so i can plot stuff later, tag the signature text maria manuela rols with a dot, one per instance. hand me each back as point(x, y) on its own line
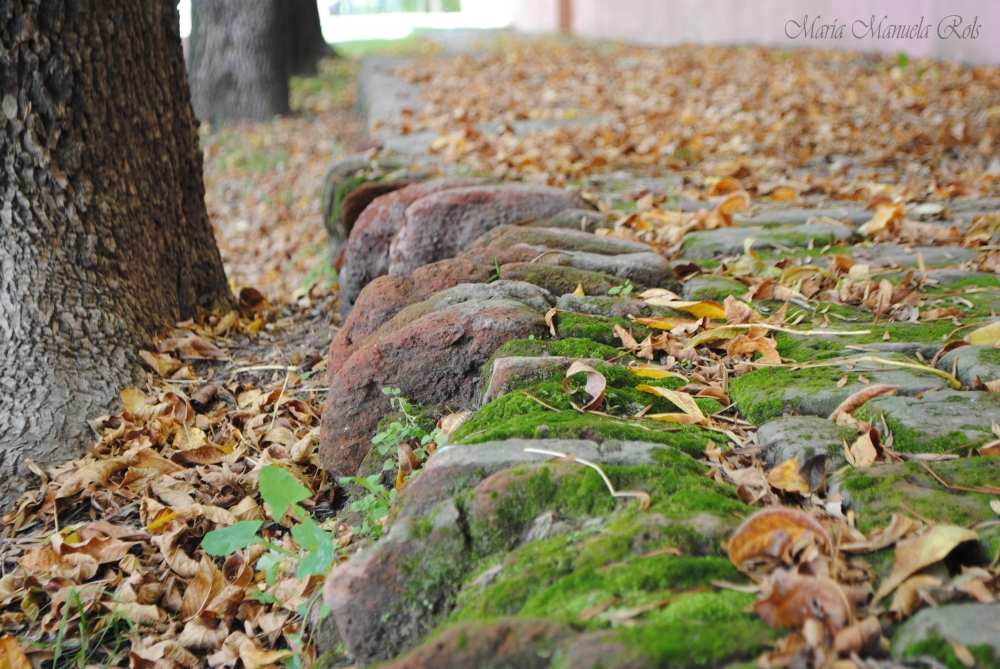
point(950, 27)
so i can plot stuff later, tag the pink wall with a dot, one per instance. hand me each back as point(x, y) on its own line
point(765, 22)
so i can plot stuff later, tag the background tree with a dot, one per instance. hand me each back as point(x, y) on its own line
point(304, 37)
point(104, 236)
point(243, 51)
point(238, 59)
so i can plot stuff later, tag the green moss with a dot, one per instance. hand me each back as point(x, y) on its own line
point(812, 349)
point(597, 328)
point(571, 347)
point(760, 395)
point(990, 356)
point(636, 579)
point(531, 569)
point(677, 491)
point(686, 633)
point(561, 279)
point(715, 288)
point(517, 415)
point(879, 493)
point(421, 528)
point(911, 440)
point(941, 650)
point(573, 425)
point(340, 193)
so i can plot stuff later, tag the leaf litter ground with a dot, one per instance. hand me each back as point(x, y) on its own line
point(101, 562)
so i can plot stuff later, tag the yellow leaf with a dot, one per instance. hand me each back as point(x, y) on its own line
point(682, 418)
point(786, 477)
point(11, 655)
point(162, 518)
point(723, 333)
point(985, 336)
point(579, 290)
point(189, 437)
point(700, 309)
point(664, 323)
point(654, 373)
point(682, 401)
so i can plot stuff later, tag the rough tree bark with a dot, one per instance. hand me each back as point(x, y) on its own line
point(238, 59)
point(104, 236)
point(304, 40)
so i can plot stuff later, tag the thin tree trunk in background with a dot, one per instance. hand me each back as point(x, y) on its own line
point(305, 42)
point(238, 61)
point(104, 236)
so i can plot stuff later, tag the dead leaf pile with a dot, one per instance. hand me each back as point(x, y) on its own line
point(110, 542)
point(691, 109)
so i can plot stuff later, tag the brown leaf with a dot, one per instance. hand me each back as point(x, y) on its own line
point(96, 473)
point(857, 399)
point(452, 422)
point(192, 347)
point(788, 600)
point(628, 341)
point(908, 598)
point(898, 527)
point(140, 614)
point(786, 477)
point(739, 313)
point(226, 603)
point(179, 561)
point(962, 653)
point(922, 551)
point(866, 449)
point(862, 638)
point(596, 383)
point(161, 363)
point(254, 657)
point(203, 634)
point(550, 316)
point(746, 346)
point(207, 583)
point(766, 532)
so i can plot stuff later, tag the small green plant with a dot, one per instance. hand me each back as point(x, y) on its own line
point(623, 291)
point(374, 506)
point(496, 271)
point(282, 492)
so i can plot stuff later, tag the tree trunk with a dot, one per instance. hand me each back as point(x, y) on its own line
point(238, 61)
point(306, 45)
point(104, 236)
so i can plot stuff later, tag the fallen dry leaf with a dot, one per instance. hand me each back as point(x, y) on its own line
point(921, 551)
point(789, 599)
point(786, 477)
point(700, 309)
point(11, 655)
point(858, 398)
point(908, 596)
point(985, 336)
point(595, 385)
point(692, 412)
point(862, 638)
point(767, 533)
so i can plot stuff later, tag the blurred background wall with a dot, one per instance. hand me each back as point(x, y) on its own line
point(662, 22)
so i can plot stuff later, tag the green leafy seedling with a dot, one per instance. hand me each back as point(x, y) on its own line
point(281, 490)
point(311, 537)
point(222, 542)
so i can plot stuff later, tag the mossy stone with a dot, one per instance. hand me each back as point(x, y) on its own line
point(597, 328)
point(881, 490)
point(562, 279)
